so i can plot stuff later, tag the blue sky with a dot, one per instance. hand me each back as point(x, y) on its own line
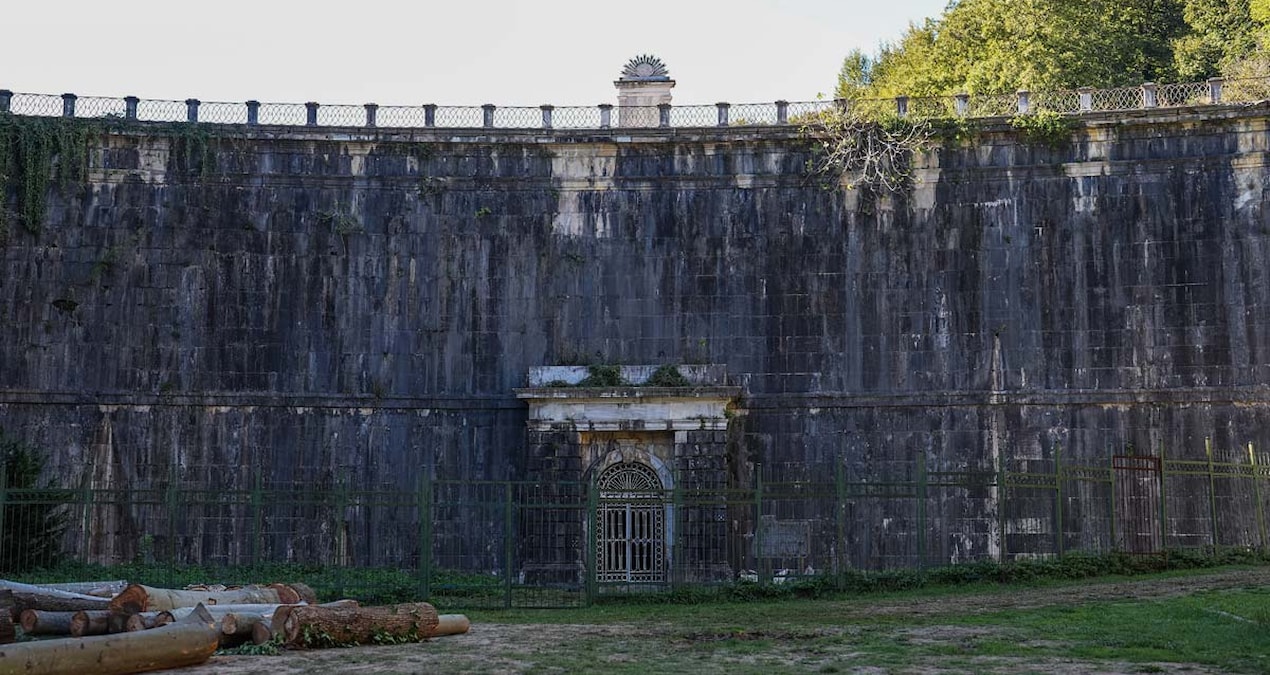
point(507, 52)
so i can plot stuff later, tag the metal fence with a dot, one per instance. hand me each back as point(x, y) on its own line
point(605, 116)
point(527, 544)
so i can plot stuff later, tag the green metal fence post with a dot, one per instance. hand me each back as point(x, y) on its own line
point(1001, 517)
point(592, 506)
point(173, 502)
point(1111, 459)
point(508, 542)
point(1256, 494)
point(758, 524)
point(921, 510)
point(424, 505)
point(840, 489)
point(1058, 499)
point(1212, 491)
point(4, 496)
point(85, 514)
point(1164, 501)
point(257, 515)
point(341, 533)
point(678, 519)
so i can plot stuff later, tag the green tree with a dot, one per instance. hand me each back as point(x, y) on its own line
point(34, 518)
point(999, 46)
point(855, 76)
point(1260, 11)
point(1221, 33)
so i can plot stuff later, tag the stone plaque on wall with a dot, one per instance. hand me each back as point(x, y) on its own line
point(784, 538)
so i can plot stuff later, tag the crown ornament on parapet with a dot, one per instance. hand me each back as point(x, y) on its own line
point(645, 68)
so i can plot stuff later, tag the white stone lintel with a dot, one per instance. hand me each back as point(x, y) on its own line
point(629, 408)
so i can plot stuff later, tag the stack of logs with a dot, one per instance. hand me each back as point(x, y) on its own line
point(112, 624)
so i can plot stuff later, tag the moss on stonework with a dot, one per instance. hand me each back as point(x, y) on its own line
point(611, 376)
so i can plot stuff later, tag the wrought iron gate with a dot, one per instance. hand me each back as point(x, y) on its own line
point(1137, 503)
point(631, 528)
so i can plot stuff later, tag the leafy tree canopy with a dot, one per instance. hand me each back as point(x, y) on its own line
point(1000, 46)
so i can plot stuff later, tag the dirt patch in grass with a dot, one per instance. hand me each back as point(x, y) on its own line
point(852, 645)
point(754, 635)
point(1031, 598)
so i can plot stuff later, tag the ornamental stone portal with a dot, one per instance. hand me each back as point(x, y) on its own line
point(634, 445)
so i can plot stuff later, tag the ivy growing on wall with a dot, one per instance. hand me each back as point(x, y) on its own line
point(37, 154)
point(1046, 128)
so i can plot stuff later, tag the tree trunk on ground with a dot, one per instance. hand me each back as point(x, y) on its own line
point(26, 596)
point(100, 589)
point(143, 621)
point(240, 619)
point(186, 643)
point(451, 624)
point(277, 622)
point(93, 622)
point(306, 594)
point(312, 626)
point(261, 633)
point(7, 609)
point(137, 598)
point(40, 622)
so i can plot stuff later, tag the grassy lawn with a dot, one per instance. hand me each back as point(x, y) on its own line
point(1208, 620)
point(1057, 628)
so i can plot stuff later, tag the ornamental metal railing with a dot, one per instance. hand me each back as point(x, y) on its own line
point(1216, 91)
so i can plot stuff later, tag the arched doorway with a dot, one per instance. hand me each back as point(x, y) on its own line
point(631, 536)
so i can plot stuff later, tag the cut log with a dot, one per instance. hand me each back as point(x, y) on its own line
point(313, 626)
point(239, 619)
point(186, 643)
point(100, 589)
point(26, 596)
point(261, 633)
point(306, 594)
point(92, 622)
point(40, 622)
point(451, 624)
point(286, 595)
point(7, 632)
point(137, 598)
point(277, 624)
point(117, 622)
point(143, 621)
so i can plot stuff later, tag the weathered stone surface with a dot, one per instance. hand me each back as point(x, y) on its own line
point(360, 307)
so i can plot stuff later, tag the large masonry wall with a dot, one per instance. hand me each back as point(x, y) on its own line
point(311, 304)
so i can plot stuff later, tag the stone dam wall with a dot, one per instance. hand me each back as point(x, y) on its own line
point(325, 305)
